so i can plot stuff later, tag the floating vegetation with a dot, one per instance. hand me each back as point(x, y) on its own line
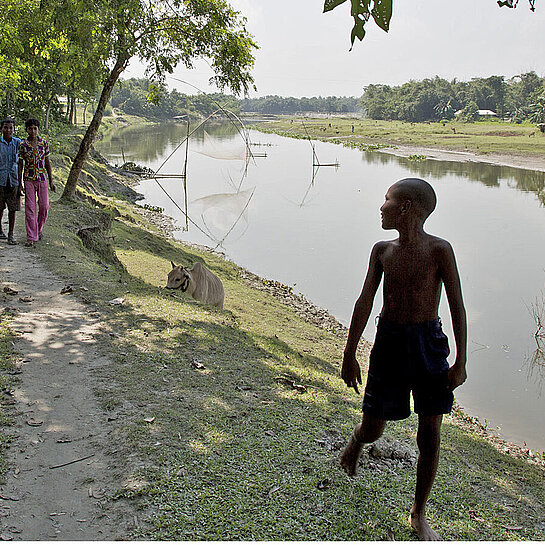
point(351, 144)
point(133, 168)
point(153, 208)
point(417, 157)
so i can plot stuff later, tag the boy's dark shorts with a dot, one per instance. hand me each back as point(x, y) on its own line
point(408, 357)
point(9, 196)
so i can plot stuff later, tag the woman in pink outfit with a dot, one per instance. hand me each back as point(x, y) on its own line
point(34, 156)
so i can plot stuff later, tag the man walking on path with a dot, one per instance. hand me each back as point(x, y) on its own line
point(10, 189)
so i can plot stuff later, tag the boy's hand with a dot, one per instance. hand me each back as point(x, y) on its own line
point(53, 187)
point(456, 376)
point(351, 373)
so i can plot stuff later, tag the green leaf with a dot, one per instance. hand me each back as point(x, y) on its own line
point(360, 8)
point(153, 95)
point(382, 13)
point(332, 4)
point(357, 31)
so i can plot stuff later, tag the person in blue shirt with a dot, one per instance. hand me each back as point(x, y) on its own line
point(10, 189)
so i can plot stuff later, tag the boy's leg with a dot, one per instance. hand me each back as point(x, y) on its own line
point(30, 213)
point(11, 224)
point(368, 431)
point(2, 206)
point(43, 207)
point(428, 439)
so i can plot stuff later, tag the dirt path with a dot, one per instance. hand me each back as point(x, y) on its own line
point(59, 419)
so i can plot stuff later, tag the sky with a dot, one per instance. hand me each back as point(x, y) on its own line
point(305, 52)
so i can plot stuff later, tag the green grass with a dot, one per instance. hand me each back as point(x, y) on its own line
point(229, 451)
point(483, 137)
point(8, 380)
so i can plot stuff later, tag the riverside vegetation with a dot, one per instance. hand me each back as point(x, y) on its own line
point(481, 137)
point(230, 423)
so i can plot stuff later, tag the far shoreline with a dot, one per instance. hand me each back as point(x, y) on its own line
point(494, 143)
point(495, 159)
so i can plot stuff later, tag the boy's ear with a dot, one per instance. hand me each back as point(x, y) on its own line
point(406, 206)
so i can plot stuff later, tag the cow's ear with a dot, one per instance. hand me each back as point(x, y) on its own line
point(172, 263)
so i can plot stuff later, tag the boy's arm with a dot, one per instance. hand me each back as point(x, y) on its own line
point(50, 174)
point(451, 279)
point(351, 373)
point(20, 176)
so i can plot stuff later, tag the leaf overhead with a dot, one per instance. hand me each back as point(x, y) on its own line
point(332, 4)
point(382, 13)
point(361, 11)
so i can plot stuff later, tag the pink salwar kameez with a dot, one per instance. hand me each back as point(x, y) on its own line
point(36, 188)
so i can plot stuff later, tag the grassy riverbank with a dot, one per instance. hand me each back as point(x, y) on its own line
point(483, 137)
point(229, 424)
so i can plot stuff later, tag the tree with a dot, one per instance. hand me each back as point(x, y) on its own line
point(522, 91)
point(381, 11)
point(164, 34)
point(470, 112)
point(14, 62)
point(538, 111)
point(50, 51)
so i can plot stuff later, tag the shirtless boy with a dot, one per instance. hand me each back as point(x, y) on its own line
point(410, 349)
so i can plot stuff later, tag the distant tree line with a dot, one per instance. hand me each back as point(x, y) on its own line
point(142, 97)
point(273, 104)
point(139, 96)
point(519, 98)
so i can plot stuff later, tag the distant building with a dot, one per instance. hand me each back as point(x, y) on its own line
point(487, 113)
point(482, 113)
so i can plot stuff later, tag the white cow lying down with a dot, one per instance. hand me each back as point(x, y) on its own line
point(199, 282)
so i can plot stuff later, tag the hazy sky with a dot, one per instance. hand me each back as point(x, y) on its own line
point(304, 52)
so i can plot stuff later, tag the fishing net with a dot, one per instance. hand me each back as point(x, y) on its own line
point(233, 149)
point(221, 212)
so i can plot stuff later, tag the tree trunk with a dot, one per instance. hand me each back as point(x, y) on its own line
point(67, 112)
point(77, 166)
point(47, 112)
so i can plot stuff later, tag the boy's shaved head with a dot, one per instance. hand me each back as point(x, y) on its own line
point(419, 192)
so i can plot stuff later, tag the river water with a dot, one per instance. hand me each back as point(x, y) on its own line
point(314, 228)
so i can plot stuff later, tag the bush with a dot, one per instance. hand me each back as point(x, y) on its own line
point(470, 113)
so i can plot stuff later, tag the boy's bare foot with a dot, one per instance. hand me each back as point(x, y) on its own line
point(421, 526)
point(351, 455)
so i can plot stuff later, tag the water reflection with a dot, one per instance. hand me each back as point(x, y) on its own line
point(215, 148)
point(221, 213)
point(487, 174)
point(147, 144)
point(535, 362)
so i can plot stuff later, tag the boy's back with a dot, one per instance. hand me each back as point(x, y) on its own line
point(412, 277)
